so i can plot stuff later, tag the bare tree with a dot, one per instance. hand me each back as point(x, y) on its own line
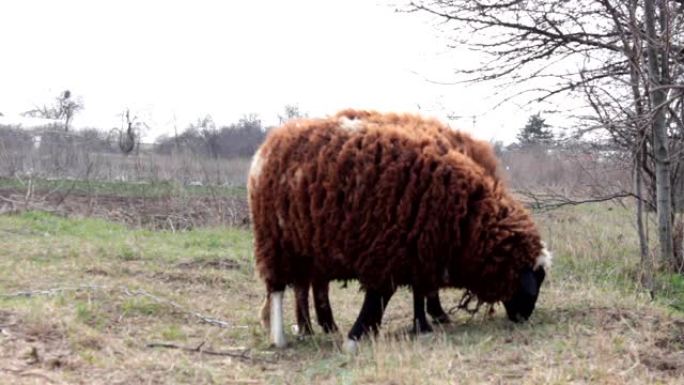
point(658, 74)
point(67, 108)
point(210, 135)
point(291, 112)
point(64, 108)
point(624, 59)
point(128, 136)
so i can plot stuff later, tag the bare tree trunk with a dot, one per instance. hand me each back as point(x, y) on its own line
point(67, 121)
point(646, 262)
point(660, 140)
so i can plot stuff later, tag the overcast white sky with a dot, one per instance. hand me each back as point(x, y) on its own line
point(180, 60)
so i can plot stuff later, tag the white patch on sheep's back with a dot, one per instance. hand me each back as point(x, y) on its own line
point(544, 259)
point(350, 124)
point(277, 332)
point(257, 165)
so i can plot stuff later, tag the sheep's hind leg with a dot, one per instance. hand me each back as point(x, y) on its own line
point(323, 308)
point(276, 319)
point(420, 322)
point(434, 308)
point(302, 309)
point(265, 313)
point(369, 319)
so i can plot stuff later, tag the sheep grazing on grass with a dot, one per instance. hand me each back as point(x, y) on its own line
point(387, 206)
point(443, 136)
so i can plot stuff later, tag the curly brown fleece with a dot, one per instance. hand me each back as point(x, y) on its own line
point(445, 137)
point(386, 205)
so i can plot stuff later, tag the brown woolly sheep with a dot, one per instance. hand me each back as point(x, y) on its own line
point(388, 207)
point(444, 137)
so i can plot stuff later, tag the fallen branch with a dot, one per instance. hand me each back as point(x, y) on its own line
point(23, 373)
point(204, 318)
point(464, 304)
point(8, 200)
point(49, 292)
point(241, 354)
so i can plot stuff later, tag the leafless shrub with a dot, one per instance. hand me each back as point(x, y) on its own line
point(572, 171)
point(14, 144)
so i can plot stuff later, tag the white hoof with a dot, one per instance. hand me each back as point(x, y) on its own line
point(281, 343)
point(351, 346)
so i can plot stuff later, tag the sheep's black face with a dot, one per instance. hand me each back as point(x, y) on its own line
point(521, 305)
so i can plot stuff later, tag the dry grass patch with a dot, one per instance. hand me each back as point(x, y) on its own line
point(182, 309)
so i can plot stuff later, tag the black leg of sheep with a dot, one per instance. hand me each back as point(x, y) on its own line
point(370, 317)
point(323, 308)
point(302, 309)
point(327, 322)
point(420, 322)
point(434, 308)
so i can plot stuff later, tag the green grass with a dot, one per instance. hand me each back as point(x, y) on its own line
point(671, 289)
point(123, 189)
point(119, 289)
point(57, 237)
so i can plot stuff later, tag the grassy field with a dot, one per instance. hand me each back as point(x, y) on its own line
point(87, 301)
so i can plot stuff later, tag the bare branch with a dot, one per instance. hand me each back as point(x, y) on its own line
point(242, 353)
point(551, 201)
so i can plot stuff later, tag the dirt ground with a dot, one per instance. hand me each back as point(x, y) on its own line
point(159, 213)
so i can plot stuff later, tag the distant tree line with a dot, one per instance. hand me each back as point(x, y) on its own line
point(47, 138)
point(61, 110)
point(237, 140)
point(203, 138)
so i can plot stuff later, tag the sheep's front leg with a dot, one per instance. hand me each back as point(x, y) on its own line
point(302, 309)
point(322, 306)
point(369, 319)
point(434, 308)
point(420, 322)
